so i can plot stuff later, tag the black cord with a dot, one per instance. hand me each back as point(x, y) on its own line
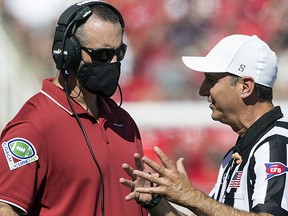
point(81, 15)
point(89, 146)
point(121, 99)
point(121, 96)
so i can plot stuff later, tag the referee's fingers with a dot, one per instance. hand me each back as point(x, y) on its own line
point(129, 170)
point(138, 162)
point(152, 164)
point(163, 157)
point(180, 166)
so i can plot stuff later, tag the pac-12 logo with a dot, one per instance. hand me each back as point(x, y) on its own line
point(19, 152)
point(275, 169)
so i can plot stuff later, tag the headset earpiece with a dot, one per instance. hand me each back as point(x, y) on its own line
point(72, 54)
point(73, 48)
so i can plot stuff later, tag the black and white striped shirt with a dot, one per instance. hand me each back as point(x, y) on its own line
point(260, 182)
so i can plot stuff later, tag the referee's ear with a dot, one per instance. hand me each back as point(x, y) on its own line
point(247, 85)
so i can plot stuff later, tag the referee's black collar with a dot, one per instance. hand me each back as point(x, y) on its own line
point(256, 131)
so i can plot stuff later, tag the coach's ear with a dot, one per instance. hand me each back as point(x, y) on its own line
point(247, 85)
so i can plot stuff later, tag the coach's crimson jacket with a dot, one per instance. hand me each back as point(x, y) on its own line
point(46, 167)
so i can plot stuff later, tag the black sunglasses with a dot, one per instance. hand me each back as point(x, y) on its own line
point(105, 55)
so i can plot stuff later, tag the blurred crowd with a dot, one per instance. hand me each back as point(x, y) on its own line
point(162, 31)
point(158, 33)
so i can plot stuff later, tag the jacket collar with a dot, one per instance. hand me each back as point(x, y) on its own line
point(58, 96)
point(253, 134)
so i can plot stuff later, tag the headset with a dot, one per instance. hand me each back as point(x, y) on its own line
point(66, 52)
point(66, 49)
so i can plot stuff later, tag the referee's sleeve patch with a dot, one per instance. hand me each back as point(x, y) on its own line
point(275, 169)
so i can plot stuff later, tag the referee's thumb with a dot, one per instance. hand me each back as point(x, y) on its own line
point(180, 166)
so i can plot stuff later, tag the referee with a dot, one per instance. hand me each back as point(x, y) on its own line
point(240, 72)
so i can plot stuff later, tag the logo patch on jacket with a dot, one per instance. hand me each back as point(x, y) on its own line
point(275, 169)
point(19, 152)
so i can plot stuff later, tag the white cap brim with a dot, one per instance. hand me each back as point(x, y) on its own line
point(202, 64)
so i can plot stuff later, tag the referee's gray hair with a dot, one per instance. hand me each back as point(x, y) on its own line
point(263, 93)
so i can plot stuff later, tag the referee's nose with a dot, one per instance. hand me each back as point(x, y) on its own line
point(205, 88)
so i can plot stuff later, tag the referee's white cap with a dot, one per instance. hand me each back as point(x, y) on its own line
point(241, 55)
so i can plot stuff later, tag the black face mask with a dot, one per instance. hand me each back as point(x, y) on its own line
point(100, 79)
